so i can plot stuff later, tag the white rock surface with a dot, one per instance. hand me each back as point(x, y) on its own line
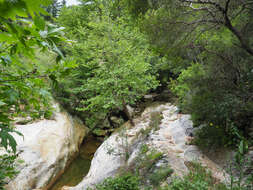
point(171, 138)
point(47, 148)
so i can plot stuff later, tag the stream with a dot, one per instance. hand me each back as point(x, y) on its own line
point(79, 166)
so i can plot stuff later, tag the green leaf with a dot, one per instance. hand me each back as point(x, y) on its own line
point(6, 37)
point(39, 22)
point(12, 142)
point(2, 103)
point(57, 50)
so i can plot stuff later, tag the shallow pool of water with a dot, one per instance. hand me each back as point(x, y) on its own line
point(79, 167)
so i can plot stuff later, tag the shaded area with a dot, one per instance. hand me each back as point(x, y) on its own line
point(80, 165)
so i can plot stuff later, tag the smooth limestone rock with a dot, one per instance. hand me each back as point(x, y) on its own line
point(47, 148)
point(171, 138)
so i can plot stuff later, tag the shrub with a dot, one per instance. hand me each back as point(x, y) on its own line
point(212, 97)
point(126, 182)
point(160, 175)
point(7, 168)
point(198, 179)
point(214, 136)
point(114, 66)
point(156, 118)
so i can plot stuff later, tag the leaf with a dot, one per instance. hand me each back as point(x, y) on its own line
point(2, 103)
point(13, 49)
point(56, 49)
point(12, 142)
point(6, 59)
point(56, 30)
point(43, 33)
point(5, 37)
point(241, 147)
point(39, 22)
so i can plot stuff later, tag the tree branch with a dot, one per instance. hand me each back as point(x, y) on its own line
point(227, 6)
point(205, 2)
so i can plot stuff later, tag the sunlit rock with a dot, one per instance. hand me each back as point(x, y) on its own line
point(47, 148)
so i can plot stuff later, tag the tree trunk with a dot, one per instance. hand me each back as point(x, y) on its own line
point(244, 43)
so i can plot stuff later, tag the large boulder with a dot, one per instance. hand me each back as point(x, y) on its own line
point(122, 148)
point(47, 148)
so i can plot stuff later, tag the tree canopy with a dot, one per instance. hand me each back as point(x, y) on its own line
point(23, 81)
point(114, 62)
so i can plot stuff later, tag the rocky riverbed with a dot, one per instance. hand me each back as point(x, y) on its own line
point(170, 137)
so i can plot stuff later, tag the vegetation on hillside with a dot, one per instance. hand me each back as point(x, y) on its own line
point(201, 50)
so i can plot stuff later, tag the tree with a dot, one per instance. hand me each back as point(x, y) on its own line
point(120, 69)
point(208, 45)
point(114, 63)
point(23, 84)
point(221, 13)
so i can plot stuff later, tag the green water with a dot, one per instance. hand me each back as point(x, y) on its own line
point(78, 169)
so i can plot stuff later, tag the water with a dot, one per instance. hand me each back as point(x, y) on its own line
point(79, 167)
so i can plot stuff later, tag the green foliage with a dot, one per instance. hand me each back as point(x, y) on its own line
point(160, 175)
point(126, 182)
point(209, 63)
point(137, 7)
point(183, 86)
point(23, 84)
point(198, 179)
point(7, 168)
point(211, 136)
point(144, 166)
point(114, 64)
point(212, 100)
point(146, 161)
point(242, 180)
point(22, 8)
point(155, 120)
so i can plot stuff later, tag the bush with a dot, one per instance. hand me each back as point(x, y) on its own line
point(126, 182)
point(212, 97)
point(7, 168)
point(198, 179)
point(214, 136)
point(160, 175)
point(114, 66)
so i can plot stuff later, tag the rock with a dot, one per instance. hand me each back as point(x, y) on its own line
point(130, 110)
point(47, 148)
point(119, 151)
point(192, 154)
point(150, 96)
point(106, 162)
point(23, 121)
point(117, 121)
